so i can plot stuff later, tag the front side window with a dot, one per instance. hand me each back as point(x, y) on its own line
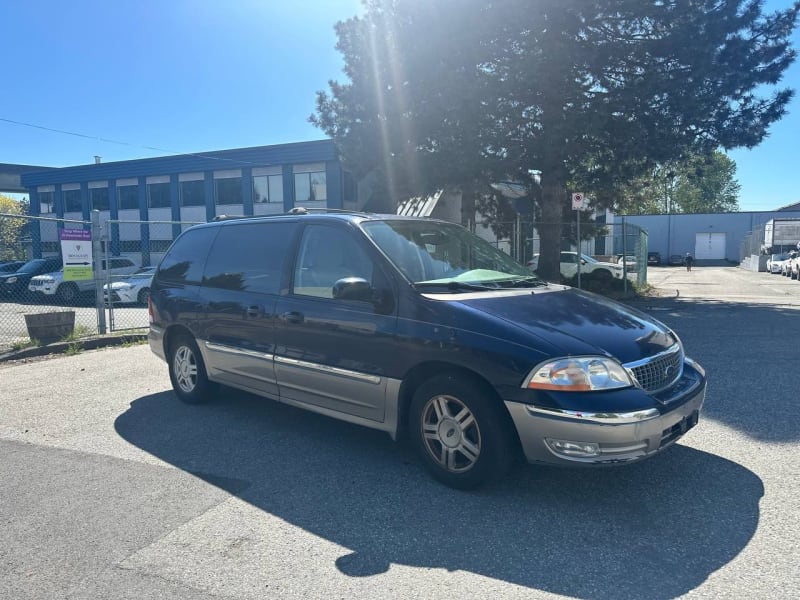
point(228, 190)
point(268, 188)
point(446, 255)
point(249, 257)
point(309, 187)
point(158, 195)
point(326, 255)
point(72, 201)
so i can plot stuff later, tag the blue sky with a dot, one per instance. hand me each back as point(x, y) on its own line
point(176, 76)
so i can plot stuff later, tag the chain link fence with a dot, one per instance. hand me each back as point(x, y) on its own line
point(40, 305)
point(125, 254)
point(618, 250)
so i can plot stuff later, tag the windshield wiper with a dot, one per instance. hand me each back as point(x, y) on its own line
point(525, 282)
point(455, 286)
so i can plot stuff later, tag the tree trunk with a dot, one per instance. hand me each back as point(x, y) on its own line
point(549, 228)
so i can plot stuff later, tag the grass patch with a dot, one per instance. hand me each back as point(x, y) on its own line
point(80, 332)
point(73, 349)
point(33, 343)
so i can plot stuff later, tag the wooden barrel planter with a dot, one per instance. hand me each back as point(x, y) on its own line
point(50, 326)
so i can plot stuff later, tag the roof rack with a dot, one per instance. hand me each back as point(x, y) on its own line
point(228, 217)
point(302, 210)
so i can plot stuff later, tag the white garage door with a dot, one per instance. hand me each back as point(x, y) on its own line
point(709, 246)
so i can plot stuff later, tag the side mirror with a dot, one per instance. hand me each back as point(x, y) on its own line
point(352, 288)
point(356, 288)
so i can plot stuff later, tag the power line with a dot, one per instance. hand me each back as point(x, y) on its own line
point(109, 141)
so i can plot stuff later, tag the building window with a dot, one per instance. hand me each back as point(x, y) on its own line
point(193, 193)
point(47, 202)
point(72, 200)
point(98, 198)
point(228, 190)
point(309, 187)
point(158, 195)
point(128, 197)
point(268, 188)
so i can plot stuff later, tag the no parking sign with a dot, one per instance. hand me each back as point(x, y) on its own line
point(579, 201)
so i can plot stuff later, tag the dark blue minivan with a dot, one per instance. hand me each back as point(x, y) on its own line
point(418, 326)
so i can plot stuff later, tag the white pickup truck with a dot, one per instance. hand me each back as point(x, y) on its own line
point(53, 284)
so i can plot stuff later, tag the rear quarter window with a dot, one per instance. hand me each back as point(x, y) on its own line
point(185, 260)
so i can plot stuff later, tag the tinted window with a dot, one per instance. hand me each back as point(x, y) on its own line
point(184, 261)
point(249, 256)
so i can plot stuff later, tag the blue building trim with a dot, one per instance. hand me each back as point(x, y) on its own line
point(85, 208)
point(144, 228)
point(175, 203)
point(333, 181)
point(288, 187)
point(240, 158)
point(247, 191)
point(211, 208)
point(36, 225)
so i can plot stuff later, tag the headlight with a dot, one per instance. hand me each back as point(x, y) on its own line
point(578, 374)
point(11, 280)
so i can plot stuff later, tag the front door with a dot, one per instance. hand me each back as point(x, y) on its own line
point(332, 354)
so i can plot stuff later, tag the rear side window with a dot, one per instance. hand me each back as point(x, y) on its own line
point(249, 257)
point(184, 261)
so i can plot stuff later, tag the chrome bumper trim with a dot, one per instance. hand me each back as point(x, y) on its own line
point(596, 417)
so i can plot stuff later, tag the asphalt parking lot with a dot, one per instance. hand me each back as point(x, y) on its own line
point(113, 489)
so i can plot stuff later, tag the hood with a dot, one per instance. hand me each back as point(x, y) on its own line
point(578, 322)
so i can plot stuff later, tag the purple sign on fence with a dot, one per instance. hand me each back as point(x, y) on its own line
point(75, 234)
point(76, 250)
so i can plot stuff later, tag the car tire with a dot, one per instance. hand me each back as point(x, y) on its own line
point(187, 372)
point(459, 431)
point(603, 275)
point(142, 296)
point(67, 292)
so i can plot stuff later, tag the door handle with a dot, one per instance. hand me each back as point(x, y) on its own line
point(253, 311)
point(292, 317)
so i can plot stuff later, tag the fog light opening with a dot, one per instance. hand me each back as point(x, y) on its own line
point(578, 449)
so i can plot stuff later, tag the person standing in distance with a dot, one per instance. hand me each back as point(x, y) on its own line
point(688, 260)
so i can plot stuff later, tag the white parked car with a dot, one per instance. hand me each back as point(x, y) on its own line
point(589, 266)
point(53, 284)
point(133, 289)
point(774, 262)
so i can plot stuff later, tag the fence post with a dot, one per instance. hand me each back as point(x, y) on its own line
point(97, 258)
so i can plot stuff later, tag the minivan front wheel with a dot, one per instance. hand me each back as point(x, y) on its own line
point(187, 371)
point(458, 431)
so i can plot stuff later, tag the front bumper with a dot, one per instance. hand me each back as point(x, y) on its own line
point(618, 437)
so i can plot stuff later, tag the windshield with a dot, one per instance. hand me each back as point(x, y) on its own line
point(32, 266)
point(589, 259)
point(436, 254)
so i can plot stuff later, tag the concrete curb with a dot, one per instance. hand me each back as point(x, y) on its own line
point(85, 344)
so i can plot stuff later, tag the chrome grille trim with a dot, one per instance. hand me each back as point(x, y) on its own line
point(658, 372)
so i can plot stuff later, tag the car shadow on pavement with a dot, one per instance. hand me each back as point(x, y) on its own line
point(656, 529)
point(749, 352)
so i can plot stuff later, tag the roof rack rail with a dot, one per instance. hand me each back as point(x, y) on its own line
point(228, 217)
point(302, 210)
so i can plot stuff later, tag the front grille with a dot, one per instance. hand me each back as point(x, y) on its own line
point(658, 372)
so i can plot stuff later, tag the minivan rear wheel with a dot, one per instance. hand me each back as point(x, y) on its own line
point(187, 372)
point(458, 431)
